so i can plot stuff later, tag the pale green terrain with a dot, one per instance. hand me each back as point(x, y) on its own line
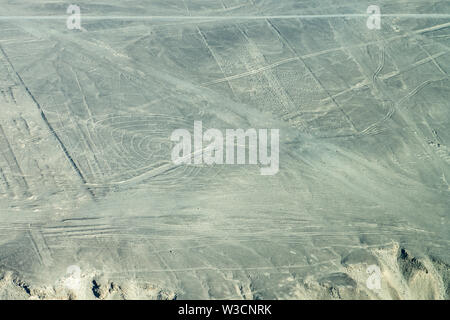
point(86, 177)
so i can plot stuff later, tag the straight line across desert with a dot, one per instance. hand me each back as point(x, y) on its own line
point(225, 149)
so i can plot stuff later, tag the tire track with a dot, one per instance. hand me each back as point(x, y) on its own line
point(13, 163)
point(50, 127)
point(380, 66)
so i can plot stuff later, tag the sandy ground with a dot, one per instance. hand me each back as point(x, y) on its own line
point(92, 208)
